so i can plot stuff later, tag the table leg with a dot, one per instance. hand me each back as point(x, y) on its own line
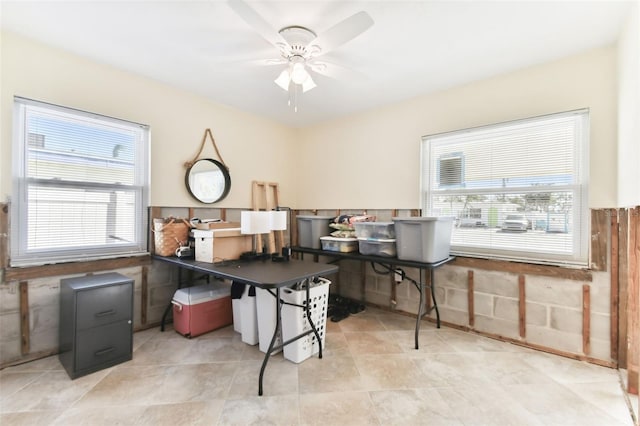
point(313, 327)
point(420, 308)
point(363, 281)
point(273, 340)
point(168, 308)
point(433, 297)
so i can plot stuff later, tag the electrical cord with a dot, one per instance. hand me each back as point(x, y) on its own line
point(387, 267)
point(390, 270)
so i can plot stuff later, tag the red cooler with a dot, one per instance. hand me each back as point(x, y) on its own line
point(200, 309)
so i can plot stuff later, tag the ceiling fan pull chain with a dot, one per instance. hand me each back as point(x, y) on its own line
point(207, 132)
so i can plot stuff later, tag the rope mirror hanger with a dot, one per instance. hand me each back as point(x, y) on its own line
point(207, 180)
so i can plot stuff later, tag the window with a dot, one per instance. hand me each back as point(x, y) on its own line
point(517, 190)
point(80, 185)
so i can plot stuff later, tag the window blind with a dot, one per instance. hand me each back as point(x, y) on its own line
point(80, 183)
point(522, 191)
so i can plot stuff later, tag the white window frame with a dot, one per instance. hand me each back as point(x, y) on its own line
point(21, 254)
point(579, 223)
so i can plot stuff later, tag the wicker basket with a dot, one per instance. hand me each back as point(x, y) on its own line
point(169, 234)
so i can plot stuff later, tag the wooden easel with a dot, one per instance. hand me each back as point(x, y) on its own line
point(265, 196)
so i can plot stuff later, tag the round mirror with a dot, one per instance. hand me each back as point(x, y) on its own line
point(208, 180)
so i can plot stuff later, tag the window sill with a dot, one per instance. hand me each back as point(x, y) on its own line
point(524, 268)
point(32, 272)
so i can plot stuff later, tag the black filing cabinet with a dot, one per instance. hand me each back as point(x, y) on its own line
point(96, 322)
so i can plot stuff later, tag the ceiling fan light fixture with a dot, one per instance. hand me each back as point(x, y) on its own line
point(299, 46)
point(298, 73)
point(308, 84)
point(283, 80)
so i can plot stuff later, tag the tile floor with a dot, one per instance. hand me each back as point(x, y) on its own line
point(369, 375)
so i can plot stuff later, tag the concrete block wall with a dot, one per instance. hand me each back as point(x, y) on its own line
point(554, 306)
point(44, 294)
point(161, 283)
point(43, 318)
point(44, 303)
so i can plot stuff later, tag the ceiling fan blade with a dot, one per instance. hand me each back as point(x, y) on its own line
point(268, 62)
point(335, 71)
point(257, 22)
point(343, 32)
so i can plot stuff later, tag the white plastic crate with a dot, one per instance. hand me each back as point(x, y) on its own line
point(294, 318)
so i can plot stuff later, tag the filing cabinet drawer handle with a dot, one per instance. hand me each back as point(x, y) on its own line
point(104, 351)
point(106, 313)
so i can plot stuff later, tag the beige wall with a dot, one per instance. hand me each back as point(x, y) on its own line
point(372, 159)
point(253, 148)
point(629, 110)
point(368, 160)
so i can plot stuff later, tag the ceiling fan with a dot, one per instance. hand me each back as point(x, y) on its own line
point(299, 46)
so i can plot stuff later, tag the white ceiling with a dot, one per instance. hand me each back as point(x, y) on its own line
point(413, 48)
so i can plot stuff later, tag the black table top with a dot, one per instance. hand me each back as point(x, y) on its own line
point(260, 273)
point(369, 258)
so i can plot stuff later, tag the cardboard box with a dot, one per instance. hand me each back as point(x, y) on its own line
point(218, 245)
point(217, 225)
point(200, 309)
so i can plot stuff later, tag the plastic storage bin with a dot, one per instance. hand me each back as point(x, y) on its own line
point(343, 245)
point(236, 310)
point(379, 230)
point(245, 317)
point(423, 239)
point(200, 309)
point(379, 247)
point(266, 311)
point(294, 318)
point(311, 228)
